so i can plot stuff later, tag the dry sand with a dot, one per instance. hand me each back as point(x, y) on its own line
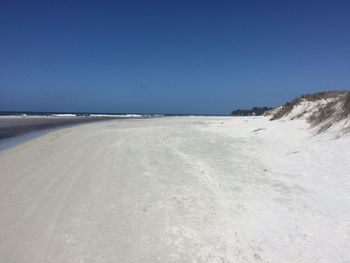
point(179, 189)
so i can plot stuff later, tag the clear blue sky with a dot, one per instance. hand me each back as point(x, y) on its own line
point(169, 56)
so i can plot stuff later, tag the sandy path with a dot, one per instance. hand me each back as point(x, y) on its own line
point(160, 190)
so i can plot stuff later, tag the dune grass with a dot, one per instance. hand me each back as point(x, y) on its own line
point(326, 115)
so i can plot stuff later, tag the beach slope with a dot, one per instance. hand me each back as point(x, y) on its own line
point(177, 189)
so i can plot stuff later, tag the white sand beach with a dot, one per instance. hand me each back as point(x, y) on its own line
point(177, 189)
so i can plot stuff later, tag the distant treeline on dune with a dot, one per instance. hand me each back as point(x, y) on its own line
point(255, 111)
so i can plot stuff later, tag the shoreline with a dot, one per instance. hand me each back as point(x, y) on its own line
point(15, 130)
point(11, 125)
point(10, 142)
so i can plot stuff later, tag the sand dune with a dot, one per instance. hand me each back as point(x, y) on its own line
point(177, 189)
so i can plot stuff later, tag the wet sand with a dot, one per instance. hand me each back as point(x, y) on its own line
point(18, 125)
